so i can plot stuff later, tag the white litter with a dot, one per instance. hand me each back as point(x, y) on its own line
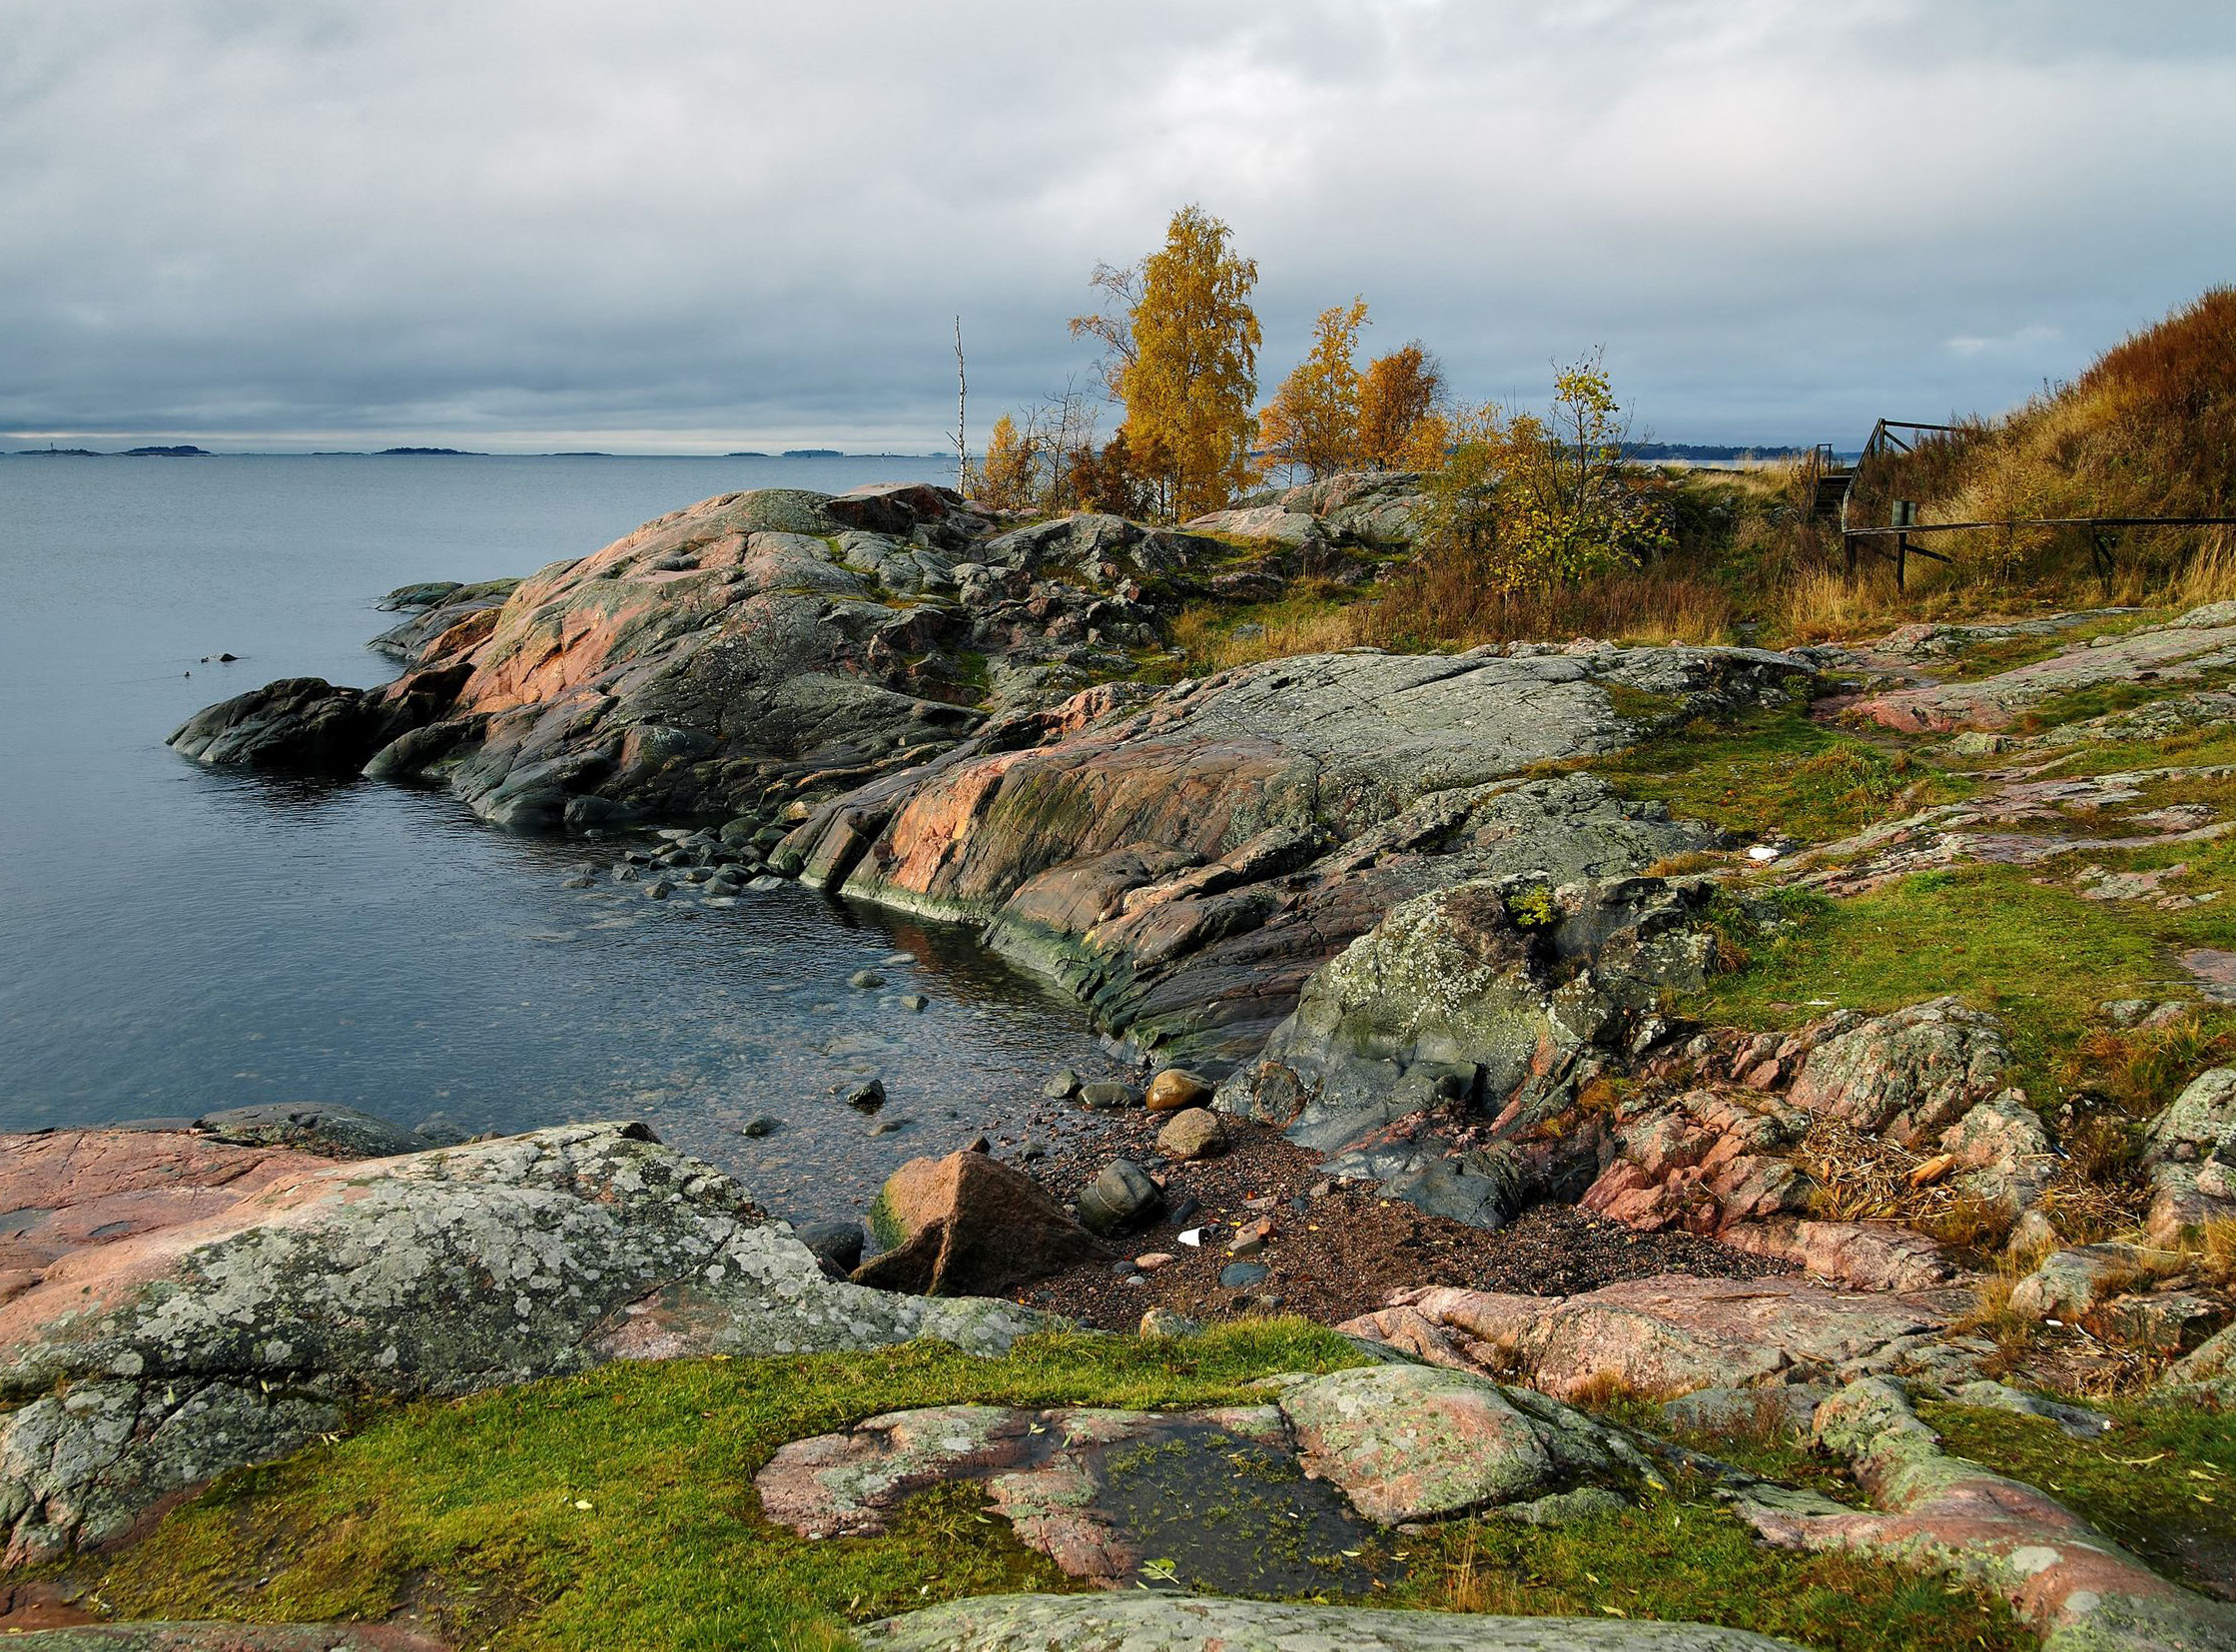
point(1762, 851)
point(1193, 1237)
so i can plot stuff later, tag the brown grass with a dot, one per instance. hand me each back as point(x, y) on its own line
point(2149, 429)
point(1445, 600)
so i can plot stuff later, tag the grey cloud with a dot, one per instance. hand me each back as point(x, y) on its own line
point(699, 223)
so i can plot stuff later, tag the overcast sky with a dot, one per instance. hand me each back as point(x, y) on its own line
point(700, 225)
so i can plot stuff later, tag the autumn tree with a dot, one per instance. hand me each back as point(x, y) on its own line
point(1312, 423)
point(1192, 377)
point(1529, 502)
point(1006, 476)
point(1401, 421)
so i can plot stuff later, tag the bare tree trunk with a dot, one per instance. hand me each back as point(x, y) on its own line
point(962, 395)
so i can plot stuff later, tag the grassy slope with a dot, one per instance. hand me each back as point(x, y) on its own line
point(470, 1516)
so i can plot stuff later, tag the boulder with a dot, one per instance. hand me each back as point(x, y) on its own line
point(2189, 1155)
point(1192, 1133)
point(1176, 1087)
point(1106, 1096)
point(967, 1225)
point(1163, 1622)
point(1909, 1075)
point(142, 1367)
point(1664, 1335)
point(1120, 1197)
point(1409, 1442)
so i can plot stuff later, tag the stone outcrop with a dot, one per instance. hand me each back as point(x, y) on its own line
point(1184, 1623)
point(968, 1225)
point(2189, 1155)
point(1715, 1134)
point(1431, 1054)
point(1905, 1076)
point(2079, 1588)
point(142, 1367)
point(1183, 859)
point(1669, 1334)
point(1373, 508)
point(2202, 640)
point(1378, 1445)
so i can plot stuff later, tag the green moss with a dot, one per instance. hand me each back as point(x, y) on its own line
point(470, 1512)
point(615, 1510)
point(1777, 771)
point(2040, 956)
point(2163, 1484)
point(1684, 1558)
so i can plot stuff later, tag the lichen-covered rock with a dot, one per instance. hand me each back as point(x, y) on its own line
point(2189, 1154)
point(1431, 1054)
point(1100, 1492)
point(2067, 1283)
point(2202, 640)
point(1909, 1075)
point(1184, 1623)
point(147, 1366)
point(2004, 1151)
point(968, 1225)
point(1410, 1442)
point(1663, 1335)
point(2079, 1589)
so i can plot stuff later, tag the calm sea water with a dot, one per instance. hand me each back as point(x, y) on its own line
point(175, 939)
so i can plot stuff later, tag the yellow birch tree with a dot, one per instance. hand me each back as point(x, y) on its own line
point(1401, 425)
point(1312, 423)
point(1194, 374)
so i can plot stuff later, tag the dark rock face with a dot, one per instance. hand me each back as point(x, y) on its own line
point(1435, 1054)
point(301, 723)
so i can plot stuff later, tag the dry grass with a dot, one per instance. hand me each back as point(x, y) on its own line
point(1196, 635)
point(1445, 600)
point(2149, 429)
point(2210, 575)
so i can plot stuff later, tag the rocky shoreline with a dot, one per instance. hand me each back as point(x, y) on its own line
point(1414, 987)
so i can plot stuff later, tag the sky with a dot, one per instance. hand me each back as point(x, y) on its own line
point(707, 224)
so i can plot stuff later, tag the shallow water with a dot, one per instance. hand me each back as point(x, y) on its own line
point(175, 939)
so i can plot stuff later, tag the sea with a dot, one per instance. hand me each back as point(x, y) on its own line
point(176, 940)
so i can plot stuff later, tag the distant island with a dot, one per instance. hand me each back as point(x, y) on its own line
point(184, 451)
point(427, 453)
point(745, 455)
point(807, 452)
point(1703, 452)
